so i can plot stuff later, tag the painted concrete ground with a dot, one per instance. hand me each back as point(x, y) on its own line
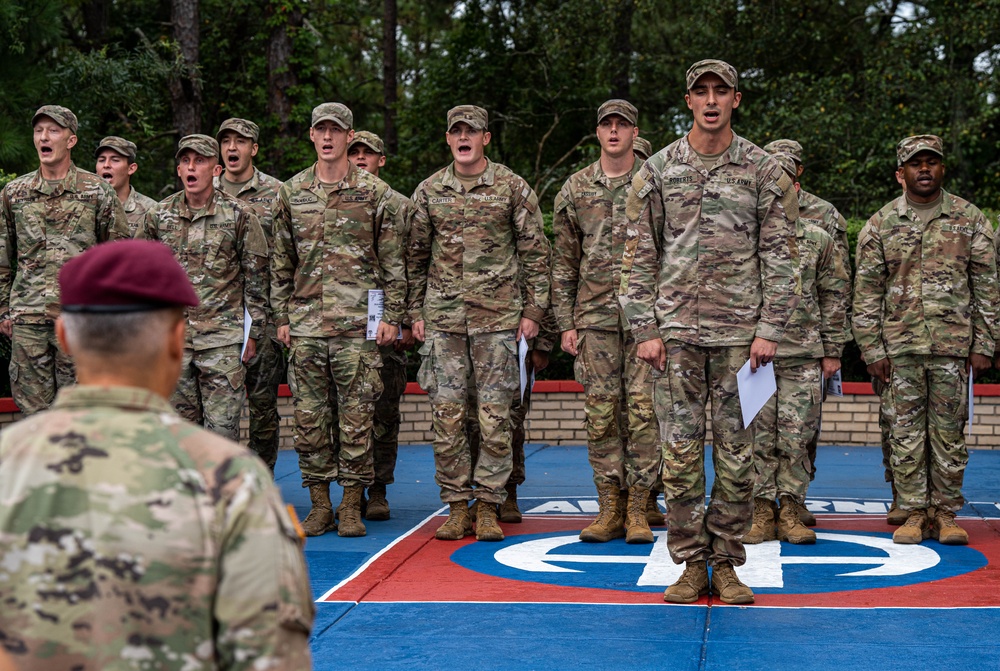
point(398, 598)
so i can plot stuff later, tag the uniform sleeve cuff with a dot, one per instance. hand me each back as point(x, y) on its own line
point(533, 313)
point(644, 333)
point(874, 354)
point(769, 332)
point(832, 350)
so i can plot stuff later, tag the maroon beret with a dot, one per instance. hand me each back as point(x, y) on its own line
point(124, 276)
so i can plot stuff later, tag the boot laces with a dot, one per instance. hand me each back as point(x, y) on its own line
point(914, 520)
point(725, 576)
point(946, 519)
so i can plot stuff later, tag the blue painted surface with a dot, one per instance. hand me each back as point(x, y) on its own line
point(418, 636)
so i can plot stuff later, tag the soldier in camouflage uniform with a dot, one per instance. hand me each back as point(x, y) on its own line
point(337, 237)
point(47, 217)
point(131, 538)
point(642, 148)
point(589, 224)
point(478, 270)
point(925, 301)
point(708, 281)
point(810, 350)
point(367, 152)
point(116, 164)
point(244, 181)
point(219, 241)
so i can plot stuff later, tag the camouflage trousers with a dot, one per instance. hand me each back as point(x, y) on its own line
point(211, 389)
point(386, 422)
point(264, 374)
point(518, 413)
point(334, 383)
point(784, 428)
point(622, 429)
point(38, 367)
point(926, 405)
point(693, 374)
point(884, 429)
point(446, 359)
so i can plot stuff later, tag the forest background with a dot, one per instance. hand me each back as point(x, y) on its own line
point(848, 79)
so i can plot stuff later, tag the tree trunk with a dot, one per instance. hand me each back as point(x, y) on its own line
point(621, 48)
point(389, 74)
point(185, 83)
point(96, 14)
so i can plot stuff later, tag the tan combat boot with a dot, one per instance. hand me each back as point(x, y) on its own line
point(763, 522)
point(946, 530)
point(654, 516)
point(692, 584)
point(487, 528)
point(320, 517)
point(915, 529)
point(636, 527)
point(805, 515)
point(378, 506)
point(728, 586)
point(896, 516)
point(458, 525)
point(610, 522)
point(509, 512)
point(350, 512)
point(790, 527)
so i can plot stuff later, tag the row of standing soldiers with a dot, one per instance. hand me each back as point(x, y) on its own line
point(667, 274)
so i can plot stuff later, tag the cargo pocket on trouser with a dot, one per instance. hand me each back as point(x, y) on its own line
point(427, 373)
point(237, 375)
point(368, 382)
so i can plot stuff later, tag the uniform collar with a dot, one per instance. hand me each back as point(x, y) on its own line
point(734, 154)
point(67, 183)
point(130, 398)
point(451, 180)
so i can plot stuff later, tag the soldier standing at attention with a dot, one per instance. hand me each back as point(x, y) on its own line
point(127, 533)
point(810, 350)
point(925, 308)
point(337, 236)
point(47, 217)
point(115, 165)
point(242, 180)
point(367, 152)
point(708, 281)
point(479, 281)
point(589, 223)
point(218, 240)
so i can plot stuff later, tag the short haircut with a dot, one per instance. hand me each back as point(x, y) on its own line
point(132, 337)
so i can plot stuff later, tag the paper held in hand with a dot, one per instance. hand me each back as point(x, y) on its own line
point(376, 306)
point(754, 389)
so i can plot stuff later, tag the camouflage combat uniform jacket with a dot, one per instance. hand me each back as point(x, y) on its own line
point(224, 252)
point(468, 248)
point(819, 326)
point(43, 227)
point(261, 193)
point(589, 223)
point(136, 206)
point(131, 538)
point(926, 289)
point(710, 255)
point(331, 248)
point(827, 217)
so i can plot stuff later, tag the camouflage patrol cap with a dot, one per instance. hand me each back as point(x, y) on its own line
point(119, 145)
point(335, 112)
point(791, 147)
point(199, 144)
point(241, 127)
point(911, 146)
point(61, 115)
point(476, 117)
point(721, 68)
point(370, 140)
point(622, 108)
point(124, 276)
point(787, 163)
point(642, 147)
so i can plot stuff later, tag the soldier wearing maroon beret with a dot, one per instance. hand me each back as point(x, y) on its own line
point(111, 471)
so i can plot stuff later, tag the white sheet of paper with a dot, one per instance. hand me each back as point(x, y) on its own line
point(522, 353)
point(376, 306)
point(247, 323)
point(835, 385)
point(971, 401)
point(754, 389)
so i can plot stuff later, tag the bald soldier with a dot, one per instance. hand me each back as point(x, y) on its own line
point(129, 537)
point(46, 218)
point(708, 282)
point(219, 241)
point(242, 180)
point(925, 313)
point(116, 164)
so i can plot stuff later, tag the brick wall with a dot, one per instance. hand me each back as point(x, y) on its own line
point(556, 416)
